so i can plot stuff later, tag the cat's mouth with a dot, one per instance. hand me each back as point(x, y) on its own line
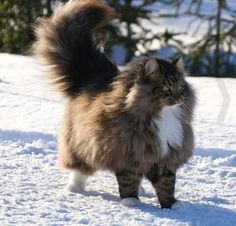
point(170, 101)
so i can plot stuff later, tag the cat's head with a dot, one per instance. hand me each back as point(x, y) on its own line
point(166, 80)
point(158, 84)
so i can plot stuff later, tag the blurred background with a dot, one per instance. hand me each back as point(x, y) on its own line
point(202, 31)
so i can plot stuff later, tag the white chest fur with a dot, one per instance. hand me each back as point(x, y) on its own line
point(170, 130)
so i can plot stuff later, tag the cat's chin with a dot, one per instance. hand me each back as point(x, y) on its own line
point(172, 105)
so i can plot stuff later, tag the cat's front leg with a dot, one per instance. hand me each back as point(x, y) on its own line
point(128, 182)
point(165, 188)
point(163, 180)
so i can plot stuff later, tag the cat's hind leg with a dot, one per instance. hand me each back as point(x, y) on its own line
point(79, 171)
point(129, 182)
point(77, 180)
point(69, 160)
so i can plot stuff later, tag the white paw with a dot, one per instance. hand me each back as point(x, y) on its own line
point(76, 182)
point(178, 205)
point(130, 202)
point(74, 188)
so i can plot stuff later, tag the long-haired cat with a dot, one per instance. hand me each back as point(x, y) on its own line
point(135, 123)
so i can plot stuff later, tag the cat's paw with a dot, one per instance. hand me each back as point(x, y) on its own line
point(74, 188)
point(76, 183)
point(178, 205)
point(130, 202)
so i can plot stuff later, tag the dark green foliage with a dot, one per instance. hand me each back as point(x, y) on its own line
point(16, 20)
point(130, 15)
point(214, 53)
point(133, 32)
point(211, 55)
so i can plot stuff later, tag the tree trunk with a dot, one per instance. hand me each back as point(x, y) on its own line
point(129, 47)
point(29, 34)
point(217, 39)
point(49, 7)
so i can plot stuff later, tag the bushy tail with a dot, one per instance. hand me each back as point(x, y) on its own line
point(65, 43)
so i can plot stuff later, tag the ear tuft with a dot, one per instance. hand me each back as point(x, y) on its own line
point(175, 61)
point(179, 64)
point(151, 66)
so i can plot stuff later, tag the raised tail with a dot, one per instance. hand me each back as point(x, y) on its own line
point(65, 43)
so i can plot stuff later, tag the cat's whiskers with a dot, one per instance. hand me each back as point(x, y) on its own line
point(186, 107)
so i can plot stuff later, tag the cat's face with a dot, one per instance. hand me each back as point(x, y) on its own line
point(167, 81)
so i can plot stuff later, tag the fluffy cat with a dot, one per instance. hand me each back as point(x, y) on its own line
point(135, 123)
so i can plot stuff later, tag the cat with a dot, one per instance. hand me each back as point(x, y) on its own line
point(135, 123)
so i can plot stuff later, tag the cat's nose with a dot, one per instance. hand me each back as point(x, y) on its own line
point(178, 99)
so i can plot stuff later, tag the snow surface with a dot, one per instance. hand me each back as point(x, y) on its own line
point(32, 186)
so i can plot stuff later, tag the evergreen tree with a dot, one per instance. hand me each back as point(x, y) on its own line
point(16, 20)
point(133, 30)
point(213, 53)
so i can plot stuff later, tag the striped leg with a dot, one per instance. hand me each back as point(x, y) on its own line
point(165, 189)
point(129, 182)
point(164, 183)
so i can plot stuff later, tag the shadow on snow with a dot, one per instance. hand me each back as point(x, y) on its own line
point(28, 137)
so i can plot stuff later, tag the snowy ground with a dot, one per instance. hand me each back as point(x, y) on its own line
point(32, 186)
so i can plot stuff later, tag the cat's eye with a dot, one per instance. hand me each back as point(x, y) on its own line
point(166, 89)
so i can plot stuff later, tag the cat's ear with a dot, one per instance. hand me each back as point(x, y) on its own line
point(151, 66)
point(178, 62)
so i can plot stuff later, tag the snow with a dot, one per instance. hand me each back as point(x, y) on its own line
point(32, 187)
